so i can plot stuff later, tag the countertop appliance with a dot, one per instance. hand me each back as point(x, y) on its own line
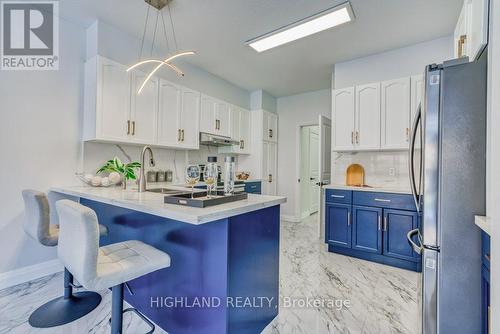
point(448, 179)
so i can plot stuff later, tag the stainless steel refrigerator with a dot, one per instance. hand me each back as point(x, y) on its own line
point(448, 179)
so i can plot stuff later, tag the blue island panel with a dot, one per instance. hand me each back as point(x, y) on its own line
point(210, 263)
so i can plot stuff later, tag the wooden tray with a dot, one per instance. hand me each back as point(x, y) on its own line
point(355, 175)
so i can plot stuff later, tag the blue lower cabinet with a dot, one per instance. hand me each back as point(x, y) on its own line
point(367, 229)
point(377, 232)
point(338, 228)
point(397, 224)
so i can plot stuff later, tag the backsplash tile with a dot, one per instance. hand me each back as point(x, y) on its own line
point(377, 167)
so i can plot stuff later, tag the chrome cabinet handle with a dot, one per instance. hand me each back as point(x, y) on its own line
point(382, 200)
point(349, 218)
point(337, 196)
point(416, 248)
point(385, 223)
point(253, 187)
point(379, 222)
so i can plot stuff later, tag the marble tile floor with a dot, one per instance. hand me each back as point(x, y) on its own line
point(375, 298)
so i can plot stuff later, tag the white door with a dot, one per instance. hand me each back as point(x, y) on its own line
point(314, 169)
point(168, 115)
point(273, 127)
point(223, 119)
point(395, 129)
point(343, 116)
point(144, 109)
point(245, 131)
point(367, 133)
point(189, 119)
point(207, 115)
point(113, 116)
point(325, 171)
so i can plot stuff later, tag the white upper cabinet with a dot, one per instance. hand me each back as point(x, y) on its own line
point(222, 119)
point(343, 119)
point(471, 30)
point(144, 109)
point(107, 101)
point(269, 126)
point(367, 117)
point(169, 114)
point(235, 122)
point(245, 132)
point(190, 119)
point(416, 95)
point(240, 131)
point(395, 100)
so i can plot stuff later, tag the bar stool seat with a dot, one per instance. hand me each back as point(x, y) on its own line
point(98, 268)
point(41, 225)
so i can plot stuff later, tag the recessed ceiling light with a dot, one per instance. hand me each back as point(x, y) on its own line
point(322, 21)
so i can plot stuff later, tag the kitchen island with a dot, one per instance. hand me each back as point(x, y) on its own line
point(224, 275)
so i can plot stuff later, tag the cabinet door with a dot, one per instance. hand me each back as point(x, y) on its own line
point(113, 101)
point(266, 186)
point(207, 115)
point(395, 114)
point(367, 134)
point(245, 131)
point(460, 33)
point(273, 127)
point(168, 115)
point(235, 122)
point(477, 27)
point(417, 94)
point(343, 119)
point(367, 229)
point(223, 117)
point(144, 110)
point(190, 119)
point(397, 224)
point(338, 225)
point(272, 165)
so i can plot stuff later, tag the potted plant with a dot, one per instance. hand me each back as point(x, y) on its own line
point(127, 171)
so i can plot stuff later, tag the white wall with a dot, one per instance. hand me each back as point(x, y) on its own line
point(493, 159)
point(41, 124)
point(294, 111)
point(392, 64)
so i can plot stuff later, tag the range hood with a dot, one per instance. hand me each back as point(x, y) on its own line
point(214, 140)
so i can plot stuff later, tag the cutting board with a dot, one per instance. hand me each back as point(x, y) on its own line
point(355, 175)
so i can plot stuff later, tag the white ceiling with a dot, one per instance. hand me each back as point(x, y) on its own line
point(218, 29)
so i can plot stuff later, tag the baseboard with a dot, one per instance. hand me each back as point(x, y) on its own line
point(289, 218)
point(25, 274)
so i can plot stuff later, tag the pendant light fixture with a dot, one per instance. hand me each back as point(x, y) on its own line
point(159, 5)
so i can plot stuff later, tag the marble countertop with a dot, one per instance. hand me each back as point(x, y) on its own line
point(484, 223)
point(153, 203)
point(374, 189)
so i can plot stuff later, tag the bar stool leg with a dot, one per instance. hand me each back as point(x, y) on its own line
point(117, 309)
point(65, 309)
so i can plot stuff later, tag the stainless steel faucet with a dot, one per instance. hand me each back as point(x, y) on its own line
point(142, 176)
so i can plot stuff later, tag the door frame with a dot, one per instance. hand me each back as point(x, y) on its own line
point(298, 153)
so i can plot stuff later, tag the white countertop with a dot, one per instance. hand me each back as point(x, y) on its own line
point(153, 203)
point(374, 189)
point(484, 223)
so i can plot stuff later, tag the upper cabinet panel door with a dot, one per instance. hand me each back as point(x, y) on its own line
point(207, 115)
point(113, 101)
point(168, 115)
point(235, 122)
point(273, 127)
point(343, 119)
point(367, 133)
point(144, 109)
point(395, 114)
point(417, 94)
point(477, 27)
point(223, 119)
point(190, 119)
point(245, 130)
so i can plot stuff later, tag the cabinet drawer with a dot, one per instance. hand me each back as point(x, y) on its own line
point(253, 187)
point(384, 200)
point(338, 196)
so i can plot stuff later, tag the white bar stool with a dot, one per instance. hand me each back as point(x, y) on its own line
point(106, 267)
point(71, 306)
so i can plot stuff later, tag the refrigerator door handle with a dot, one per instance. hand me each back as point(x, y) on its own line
point(411, 158)
point(416, 248)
